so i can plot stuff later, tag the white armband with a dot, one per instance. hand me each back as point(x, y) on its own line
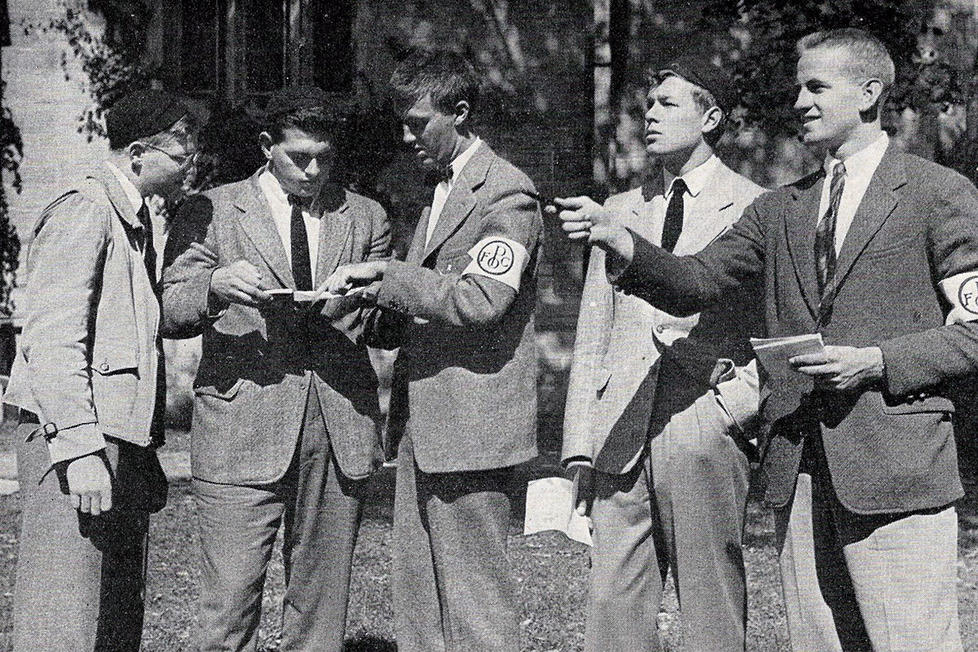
point(961, 291)
point(499, 258)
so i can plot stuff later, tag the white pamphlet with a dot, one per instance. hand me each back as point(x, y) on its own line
point(550, 506)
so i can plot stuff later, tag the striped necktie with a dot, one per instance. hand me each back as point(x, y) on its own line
point(825, 256)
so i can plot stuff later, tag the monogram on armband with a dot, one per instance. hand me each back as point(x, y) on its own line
point(961, 291)
point(498, 258)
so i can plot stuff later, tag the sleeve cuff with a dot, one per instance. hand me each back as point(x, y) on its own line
point(74, 442)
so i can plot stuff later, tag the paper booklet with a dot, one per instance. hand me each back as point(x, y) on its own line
point(773, 352)
point(550, 506)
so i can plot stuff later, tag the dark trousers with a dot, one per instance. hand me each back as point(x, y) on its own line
point(81, 578)
point(452, 583)
point(320, 510)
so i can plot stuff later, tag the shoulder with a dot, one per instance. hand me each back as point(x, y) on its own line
point(228, 192)
point(738, 185)
point(503, 173)
point(364, 206)
point(923, 172)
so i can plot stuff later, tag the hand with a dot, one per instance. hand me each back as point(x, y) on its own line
point(584, 219)
point(239, 282)
point(582, 474)
point(89, 484)
point(347, 277)
point(841, 368)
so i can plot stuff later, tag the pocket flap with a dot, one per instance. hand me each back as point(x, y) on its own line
point(917, 405)
point(601, 378)
point(225, 390)
point(109, 358)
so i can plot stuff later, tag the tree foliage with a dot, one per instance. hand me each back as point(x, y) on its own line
point(11, 152)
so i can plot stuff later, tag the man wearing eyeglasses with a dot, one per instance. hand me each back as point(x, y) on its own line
point(88, 385)
point(286, 409)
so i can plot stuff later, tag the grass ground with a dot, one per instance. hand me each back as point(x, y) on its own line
point(552, 574)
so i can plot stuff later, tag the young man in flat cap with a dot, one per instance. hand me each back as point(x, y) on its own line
point(877, 251)
point(658, 406)
point(461, 308)
point(286, 411)
point(88, 386)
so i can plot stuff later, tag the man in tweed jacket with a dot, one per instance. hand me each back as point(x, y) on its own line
point(285, 408)
point(461, 308)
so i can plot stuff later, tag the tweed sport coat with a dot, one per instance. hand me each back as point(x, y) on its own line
point(621, 345)
point(889, 448)
point(467, 354)
point(257, 364)
point(88, 355)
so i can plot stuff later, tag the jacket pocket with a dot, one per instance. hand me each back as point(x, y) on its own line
point(226, 391)
point(917, 405)
point(114, 357)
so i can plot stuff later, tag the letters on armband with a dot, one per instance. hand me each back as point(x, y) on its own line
point(499, 258)
point(961, 291)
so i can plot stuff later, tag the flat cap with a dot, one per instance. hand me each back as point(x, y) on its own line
point(143, 113)
point(698, 68)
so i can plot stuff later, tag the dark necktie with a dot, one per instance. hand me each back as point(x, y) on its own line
point(301, 267)
point(673, 224)
point(825, 256)
point(149, 251)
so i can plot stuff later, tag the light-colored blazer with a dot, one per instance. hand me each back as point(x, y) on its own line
point(622, 342)
point(467, 341)
point(88, 354)
point(257, 364)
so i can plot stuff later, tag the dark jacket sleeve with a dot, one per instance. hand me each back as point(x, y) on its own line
point(686, 285)
point(921, 361)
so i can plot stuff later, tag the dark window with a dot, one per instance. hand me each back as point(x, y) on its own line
point(332, 42)
point(199, 46)
point(264, 43)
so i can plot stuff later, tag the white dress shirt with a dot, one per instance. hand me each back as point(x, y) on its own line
point(281, 210)
point(860, 168)
point(696, 180)
point(443, 188)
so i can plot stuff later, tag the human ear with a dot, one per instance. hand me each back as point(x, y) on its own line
point(266, 143)
point(461, 112)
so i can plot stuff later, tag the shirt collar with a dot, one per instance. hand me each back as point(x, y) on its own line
point(868, 158)
point(459, 161)
point(132, 193)
point(275, 193)
point(695, 179)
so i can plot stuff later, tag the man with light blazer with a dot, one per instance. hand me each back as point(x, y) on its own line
point(659, 408)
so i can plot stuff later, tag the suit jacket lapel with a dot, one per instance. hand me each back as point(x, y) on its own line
point(461, 200)
point(117, 196)
point(256, 220)
point(876, 206)
point(706, 225)
point(334, 230)
point(800, 221)
point(647, 222)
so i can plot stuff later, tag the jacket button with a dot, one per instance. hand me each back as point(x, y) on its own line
point(660, 329)
point(104, 366)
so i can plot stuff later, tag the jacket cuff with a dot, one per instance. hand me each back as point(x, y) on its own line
point(72, 442)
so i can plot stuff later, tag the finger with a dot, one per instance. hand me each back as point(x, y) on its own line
point(807, 359)
point(572, 203)
point(95, 507)
point(74, 500)
point(201, 249)
point(579, 236)
point(85, 505)
point(572, 227)
point(581, 508)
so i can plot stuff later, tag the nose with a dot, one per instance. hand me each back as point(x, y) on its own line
point(804, 99)
point(407, 136)
point(312, 170)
